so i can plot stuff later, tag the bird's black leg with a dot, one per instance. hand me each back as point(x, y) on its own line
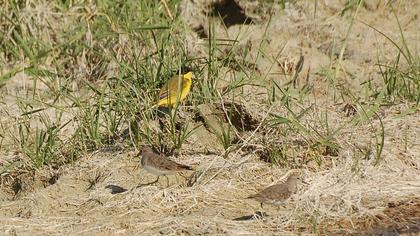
point(141, 185)
point(260, 214)
point(154, 181)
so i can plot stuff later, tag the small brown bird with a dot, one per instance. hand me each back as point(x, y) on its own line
point(278, 193)
point(159, 165)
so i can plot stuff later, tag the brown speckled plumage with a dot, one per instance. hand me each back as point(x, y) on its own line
point(159, 164)
point(278, 193)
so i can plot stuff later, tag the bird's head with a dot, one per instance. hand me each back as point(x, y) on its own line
point(145, 149)
point(293, 175)
point(186, 72)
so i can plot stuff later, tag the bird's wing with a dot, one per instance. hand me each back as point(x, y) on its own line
point(183, 167)
point(277, 191)
point(170, 165)
point(170, 88)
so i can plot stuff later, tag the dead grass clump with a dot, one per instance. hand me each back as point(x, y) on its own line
point(79, 82)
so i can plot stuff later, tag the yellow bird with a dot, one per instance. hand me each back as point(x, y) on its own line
point(175, 89)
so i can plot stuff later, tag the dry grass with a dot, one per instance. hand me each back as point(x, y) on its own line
point(330, 195)
point(78, 81)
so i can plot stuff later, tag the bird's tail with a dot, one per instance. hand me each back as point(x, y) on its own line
point(184, 167)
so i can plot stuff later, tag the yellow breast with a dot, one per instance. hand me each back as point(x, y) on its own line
point(175, 90)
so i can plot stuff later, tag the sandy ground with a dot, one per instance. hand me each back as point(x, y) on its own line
point(346, 194)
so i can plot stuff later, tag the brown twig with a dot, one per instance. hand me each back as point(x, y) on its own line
point(168, 11)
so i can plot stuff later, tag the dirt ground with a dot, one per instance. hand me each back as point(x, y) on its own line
point(346, 194)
